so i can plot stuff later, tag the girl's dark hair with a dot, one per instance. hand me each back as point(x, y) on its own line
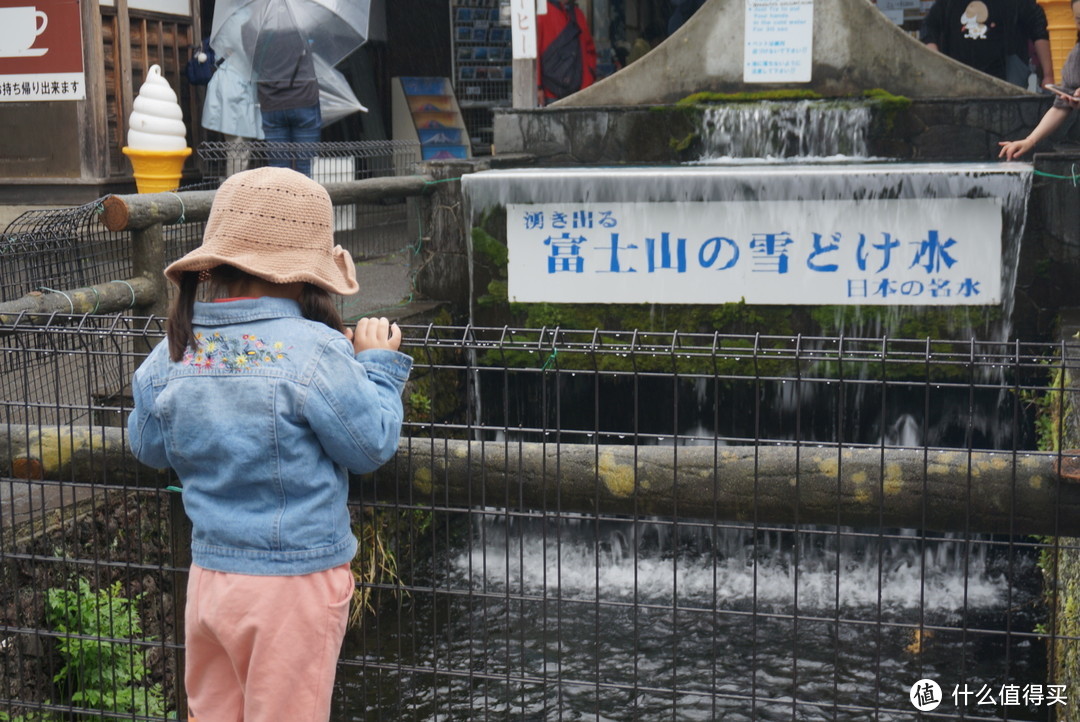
point(315, 305)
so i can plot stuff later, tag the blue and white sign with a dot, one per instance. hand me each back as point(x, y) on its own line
point(930, 251)
point(779, 39)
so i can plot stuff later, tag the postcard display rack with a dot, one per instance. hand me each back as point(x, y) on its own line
point(425, 111)
point(482, 58)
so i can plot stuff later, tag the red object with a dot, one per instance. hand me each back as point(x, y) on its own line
point(548, 27)
point(57, 48)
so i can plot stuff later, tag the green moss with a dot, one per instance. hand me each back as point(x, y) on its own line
point(887, 100)
point(706, 97)
point(484, 244)
point(681, 144)
point(881, 97)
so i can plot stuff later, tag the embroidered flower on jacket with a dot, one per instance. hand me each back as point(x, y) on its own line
point(232, 354)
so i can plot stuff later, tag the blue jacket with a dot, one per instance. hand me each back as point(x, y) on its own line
point(261, 426)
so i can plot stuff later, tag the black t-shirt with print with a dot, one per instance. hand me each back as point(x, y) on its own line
point(980, 33)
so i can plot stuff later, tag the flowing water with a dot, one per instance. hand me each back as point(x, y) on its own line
point(572, 618)
point(801, 131)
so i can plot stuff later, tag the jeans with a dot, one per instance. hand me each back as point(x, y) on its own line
point(295, 125)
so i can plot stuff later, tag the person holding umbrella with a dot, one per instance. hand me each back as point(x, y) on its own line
point(289, 48)
point(288, 93)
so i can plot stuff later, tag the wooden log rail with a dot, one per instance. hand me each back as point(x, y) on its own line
point(935, 490)
point(144, 214)
point(109, 297)
point(139, 211)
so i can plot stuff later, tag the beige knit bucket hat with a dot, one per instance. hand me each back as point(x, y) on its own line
point(276, 224)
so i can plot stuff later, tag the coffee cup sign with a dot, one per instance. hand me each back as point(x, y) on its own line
point(19, 28)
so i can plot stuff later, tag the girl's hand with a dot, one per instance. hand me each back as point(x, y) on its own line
point(374, 333)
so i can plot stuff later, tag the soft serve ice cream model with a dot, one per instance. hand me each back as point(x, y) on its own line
point(156, 142)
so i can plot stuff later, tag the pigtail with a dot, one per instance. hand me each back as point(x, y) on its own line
point(317, 305)
point(178, 327)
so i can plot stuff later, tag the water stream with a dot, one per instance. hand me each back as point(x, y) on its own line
point(800, 131)
point(575, 619)
point(572, 618)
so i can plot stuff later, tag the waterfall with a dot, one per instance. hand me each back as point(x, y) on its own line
point(782, 131)
point(656, 561)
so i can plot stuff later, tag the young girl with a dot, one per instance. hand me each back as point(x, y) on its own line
point(262, 401)
point(1063, 105)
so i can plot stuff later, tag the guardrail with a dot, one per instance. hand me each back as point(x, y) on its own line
point(146, 217)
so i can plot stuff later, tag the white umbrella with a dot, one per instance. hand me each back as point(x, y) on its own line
point(248, 32)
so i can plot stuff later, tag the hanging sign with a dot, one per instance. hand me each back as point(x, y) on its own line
point(778, 40)
point(523, 28)
point(41, 51)
point(930, 251)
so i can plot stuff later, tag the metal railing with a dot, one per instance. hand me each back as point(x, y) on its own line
point(602, 525)
point(107, 256)
point(45, 251)
point(368, 230)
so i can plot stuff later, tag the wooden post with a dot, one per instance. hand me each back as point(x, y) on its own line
point(524, 88)
point(148, 261)
point(94, 140)
point(125, 90)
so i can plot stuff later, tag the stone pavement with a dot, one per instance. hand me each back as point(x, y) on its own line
point(386, 289)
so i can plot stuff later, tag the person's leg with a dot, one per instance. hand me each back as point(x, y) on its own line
point(276, 129)
point(307, 128)
point(293, 662)
point(213, 689)
point(282, 635)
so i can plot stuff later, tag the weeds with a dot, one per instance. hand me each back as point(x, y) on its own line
point(103, 668)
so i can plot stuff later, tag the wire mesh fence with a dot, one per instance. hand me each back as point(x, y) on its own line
point(368, 230)
point(67, 248)
point(515, 562)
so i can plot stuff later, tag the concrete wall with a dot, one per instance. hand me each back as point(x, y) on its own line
point(855, 47)
point(1049, 262)
point(942, 129)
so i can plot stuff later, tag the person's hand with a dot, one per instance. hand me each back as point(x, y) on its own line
point(1011, 149)
point(374, 333)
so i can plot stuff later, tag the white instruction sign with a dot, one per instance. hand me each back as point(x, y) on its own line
point(779, 39)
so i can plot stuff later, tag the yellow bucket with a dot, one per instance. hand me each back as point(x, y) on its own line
point(1062, 26)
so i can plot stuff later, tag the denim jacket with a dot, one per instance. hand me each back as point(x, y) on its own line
point(262, 425)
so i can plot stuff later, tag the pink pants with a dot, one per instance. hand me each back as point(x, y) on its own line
point(264, 649)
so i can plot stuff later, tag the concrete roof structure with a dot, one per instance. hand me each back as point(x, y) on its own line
point(855, 48)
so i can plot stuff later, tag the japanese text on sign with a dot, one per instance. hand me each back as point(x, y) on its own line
point(41, 55)
point(881, 252)
point(523, 28)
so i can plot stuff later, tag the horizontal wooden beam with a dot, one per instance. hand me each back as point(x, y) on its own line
point(142, 210)
point(943, 490)
point(935, 490)
point(940, 490)
point(109, 297)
